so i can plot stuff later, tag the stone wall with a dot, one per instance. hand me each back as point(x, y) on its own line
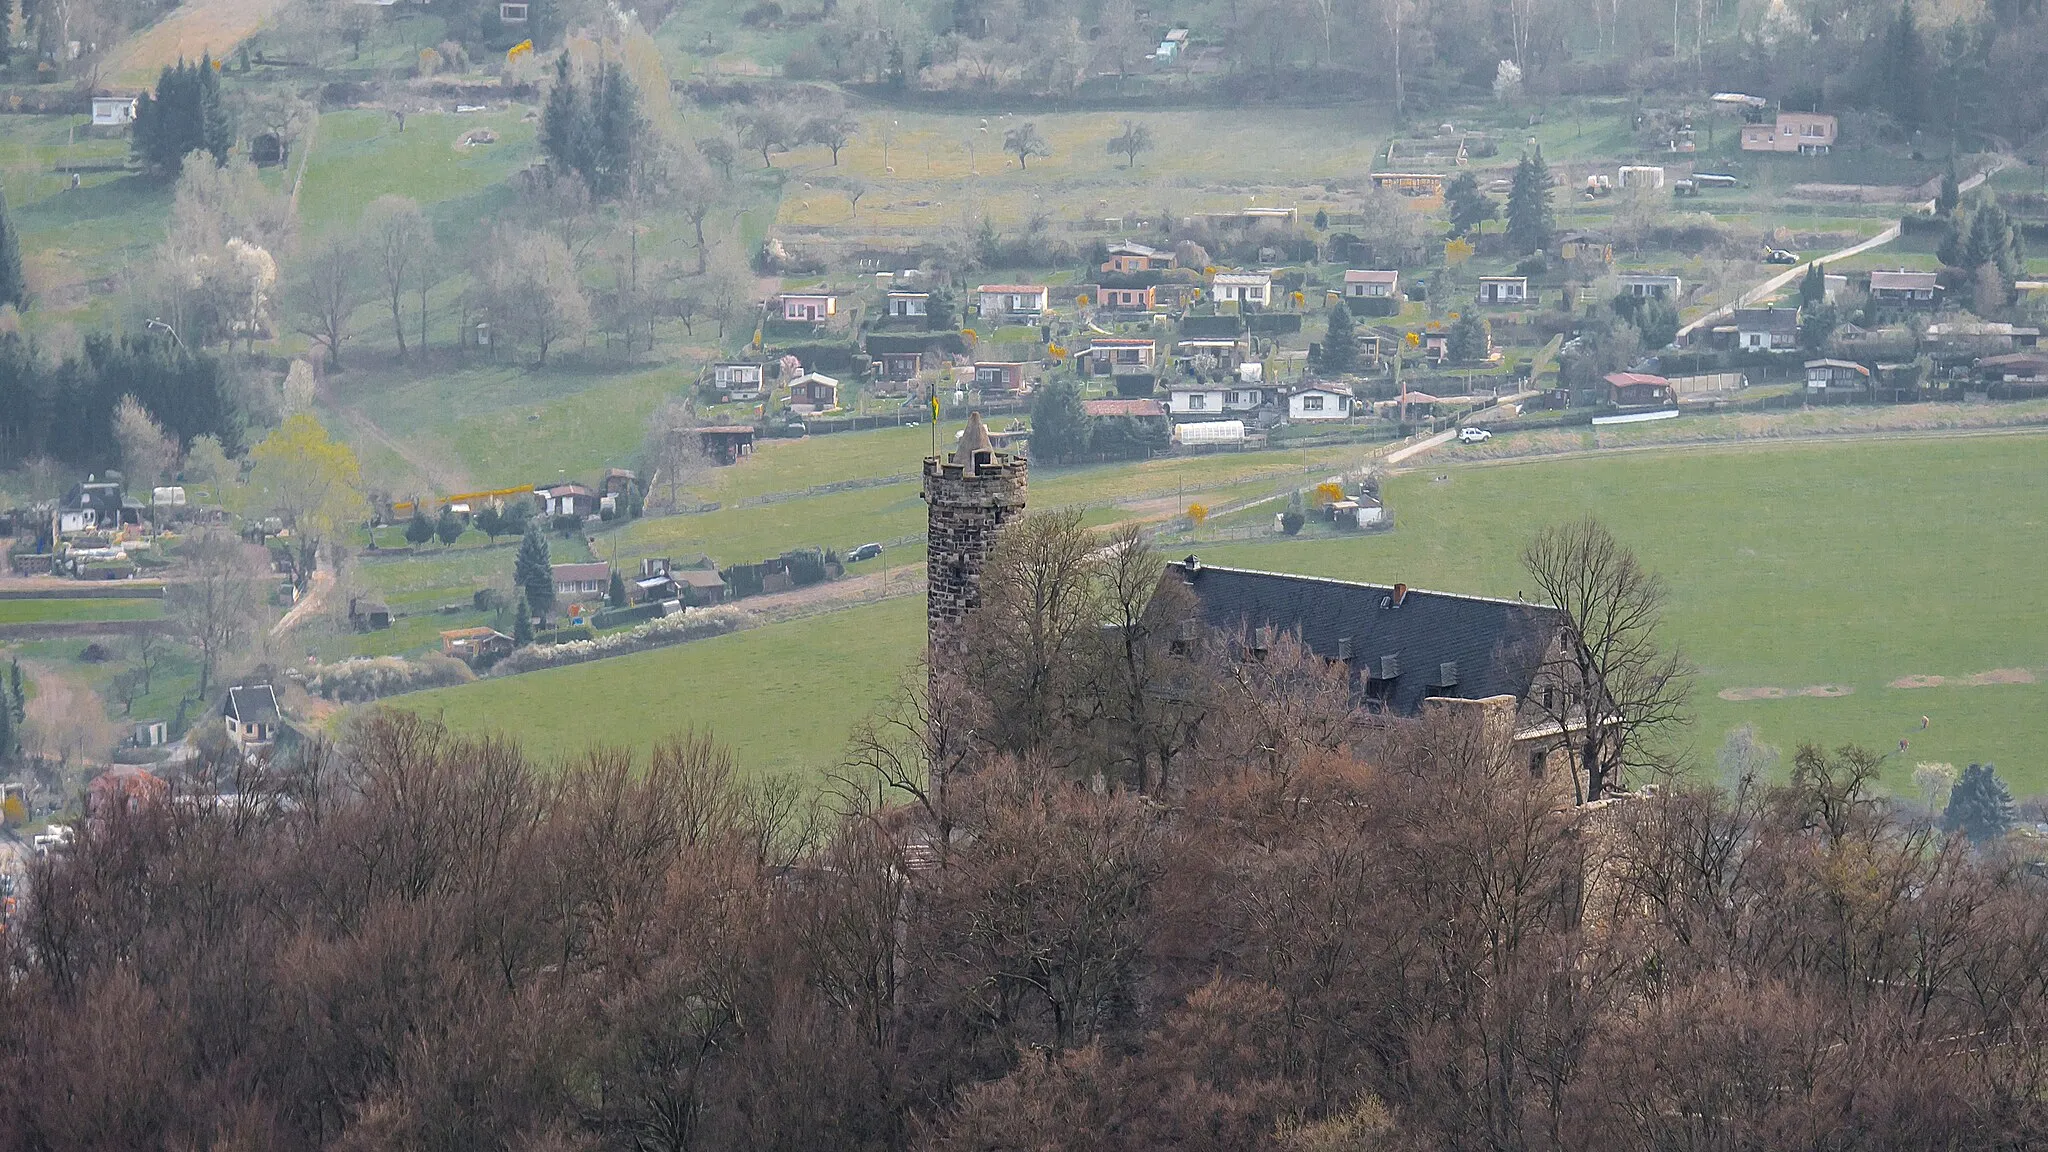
point(964, 509)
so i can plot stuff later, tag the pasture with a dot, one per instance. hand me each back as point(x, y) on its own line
point(77, 609)
point(1794, 570)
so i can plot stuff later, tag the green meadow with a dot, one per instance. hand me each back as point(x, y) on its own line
point(1794, 568)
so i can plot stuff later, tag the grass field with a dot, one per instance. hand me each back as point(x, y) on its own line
point(785, 695)
point(1791, 567)
point(69, 610)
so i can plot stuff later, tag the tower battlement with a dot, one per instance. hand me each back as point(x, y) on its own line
point(969, 495)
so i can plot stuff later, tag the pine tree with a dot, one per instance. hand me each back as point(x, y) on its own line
point(448, 527)
point(1901, 75)
point(15, 691)
point(419, 529)
point(1951, 191)
point(1529, 217)
point(1814, 289)
point(185, 114)
point(216, 126)
point(533, 573)
point(564, 122)
point(1470, 208)
point(522, 623)
point(1340, 341)
point(1980, 806)
point(6, 735)
point(616, 594)
point(1060, 430)
point(13, 289)
point(616, 127)
point(6, 22)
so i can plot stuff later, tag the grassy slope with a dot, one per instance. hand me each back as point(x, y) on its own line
point(785, 695)
point(1790, 566)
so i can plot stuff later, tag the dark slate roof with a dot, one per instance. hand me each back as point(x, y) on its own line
point(1497, 645)
point(256, 704)
point(1777, 320)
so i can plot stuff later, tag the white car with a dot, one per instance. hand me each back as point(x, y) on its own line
point(1473, 435)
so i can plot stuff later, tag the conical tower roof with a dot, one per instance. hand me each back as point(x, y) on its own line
point(973, 442)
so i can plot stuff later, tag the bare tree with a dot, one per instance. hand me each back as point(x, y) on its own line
point(1616, 686)
point(216, 603)
point(401, 249)
point(1025, 141)
point(1134, 139)
point(332, 283)
point(673, 453)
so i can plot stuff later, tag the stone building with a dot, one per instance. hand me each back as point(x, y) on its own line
point(969, 496)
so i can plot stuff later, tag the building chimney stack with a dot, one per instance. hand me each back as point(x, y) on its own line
point(1400, 594)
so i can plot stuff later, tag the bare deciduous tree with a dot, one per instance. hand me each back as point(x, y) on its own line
point(216, 603)
point(1618, 687)
point(401, 249)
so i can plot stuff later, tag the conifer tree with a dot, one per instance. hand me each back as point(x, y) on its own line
point(1813, 289)
point(616, 594)
point(1529, 216)
point(522, 623)
point(1980, 806)
point(532, 572)
point(1340, 340)
point(13, 288)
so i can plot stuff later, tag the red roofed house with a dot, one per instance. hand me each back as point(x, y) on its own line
point(1136, 409)
point(1636, 389)
point(1008, 299)
point(124, 789)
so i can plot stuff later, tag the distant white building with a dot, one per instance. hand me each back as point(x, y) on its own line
point(1244, 288)
point(113, 111)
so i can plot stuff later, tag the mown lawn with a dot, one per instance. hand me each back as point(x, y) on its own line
point(786, 696)
point(68, 610)
point(1790, 567)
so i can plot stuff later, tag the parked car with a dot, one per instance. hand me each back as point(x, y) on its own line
point(1780, 256)
point(865, 552)
point(1473, 435)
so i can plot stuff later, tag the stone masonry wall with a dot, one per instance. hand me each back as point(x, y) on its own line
point(963, 514)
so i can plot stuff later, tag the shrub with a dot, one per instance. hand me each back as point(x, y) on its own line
point(1291, 521)
point(374, 677)
point(689, 624)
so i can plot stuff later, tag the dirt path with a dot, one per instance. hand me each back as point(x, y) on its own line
point(310, 604)
point(66, 719)
point(438, 473)
point(1736, 444)
point(902, 580)
point(191, 30)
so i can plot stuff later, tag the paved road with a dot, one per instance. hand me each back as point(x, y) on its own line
point(1774, 283)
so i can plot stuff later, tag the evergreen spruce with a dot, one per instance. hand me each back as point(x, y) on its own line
point(1951, 191)
point(1530, 222)
point(522, 623)
point(448, 528)
point(1980, 806)
point(616, 594)
point(184, 115)
point(533, 573)
point(18, 697)
point(1340, 341)
point(617, 129)
point(6, 735)
point(1813, 289)
point(13, 288)
point(1060, 431)
point(419, 529)
point(564, 122)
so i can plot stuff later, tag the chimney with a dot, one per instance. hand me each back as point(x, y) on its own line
point(1390, 667)
point(1344, 648)
point(1447, 674)
point(1400, 594)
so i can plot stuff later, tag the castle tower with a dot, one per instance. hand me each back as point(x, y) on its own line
point(968, 497)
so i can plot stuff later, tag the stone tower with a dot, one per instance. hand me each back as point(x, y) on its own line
point(968, 497)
